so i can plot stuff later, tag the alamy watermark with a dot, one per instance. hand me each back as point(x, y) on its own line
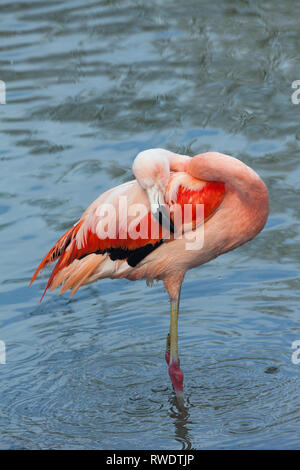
point(131, 221)
point(2, 352)
point(2, 92)
point(296, 354)
point(296, 95)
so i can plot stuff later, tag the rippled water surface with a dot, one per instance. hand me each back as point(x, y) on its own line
point(89, 85)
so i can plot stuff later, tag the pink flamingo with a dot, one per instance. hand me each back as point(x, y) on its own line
point(236, 208)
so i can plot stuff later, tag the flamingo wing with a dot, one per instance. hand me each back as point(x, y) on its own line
point(86, 245)
point(87, 252)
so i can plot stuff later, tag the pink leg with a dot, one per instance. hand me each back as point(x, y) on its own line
point(171, 355)
point(173, 285)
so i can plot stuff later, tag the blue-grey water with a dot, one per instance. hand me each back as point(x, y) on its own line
point(89, 84)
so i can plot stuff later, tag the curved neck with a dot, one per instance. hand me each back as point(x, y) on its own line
point(178, 162)
point(249, 193)
point(213, 166)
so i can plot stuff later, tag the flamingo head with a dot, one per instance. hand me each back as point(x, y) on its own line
point(152, 171)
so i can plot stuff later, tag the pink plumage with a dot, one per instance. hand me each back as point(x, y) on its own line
point(235, 202)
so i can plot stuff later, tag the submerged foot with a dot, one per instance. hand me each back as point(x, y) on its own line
point(176, 376)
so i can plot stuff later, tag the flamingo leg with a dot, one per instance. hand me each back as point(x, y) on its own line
point(167, 353)
point(175, 372)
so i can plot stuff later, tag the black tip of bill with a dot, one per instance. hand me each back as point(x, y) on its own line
point(163, 217)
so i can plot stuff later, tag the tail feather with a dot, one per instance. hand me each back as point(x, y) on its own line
point(79, 273)
point(61, 263)
point(62, 275)
point(58, 249)
point(94, 263)
point(64, 249)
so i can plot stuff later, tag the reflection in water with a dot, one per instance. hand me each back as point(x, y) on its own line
point(89, 85)
point(179, 413)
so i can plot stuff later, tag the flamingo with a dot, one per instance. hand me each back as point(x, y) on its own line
point(236, 205)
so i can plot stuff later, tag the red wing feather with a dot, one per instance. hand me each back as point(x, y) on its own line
point(58, 249)
point(66, 248)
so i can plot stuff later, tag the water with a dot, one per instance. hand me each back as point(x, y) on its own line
point(89, 85)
